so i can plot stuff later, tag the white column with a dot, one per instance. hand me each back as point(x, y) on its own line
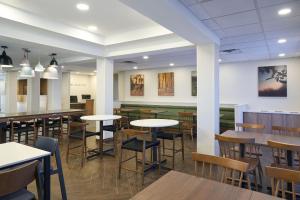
point(54, 98)
point(33, 93)
point(104, 89)
point(11, 87)
point(207, 98)
point(65, 90)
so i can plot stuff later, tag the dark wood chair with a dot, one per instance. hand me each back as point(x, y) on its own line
point(221, 169)
point(285, 155)
point(122, 123)
point(146, 114)
point(23, 128)
point(250, 127)
point(173, 135)
point(77, 132)
point(242, 149)
point(279, 179)
point(186, 123)
point(137, 141)
point(54, 125)
point(13, 182)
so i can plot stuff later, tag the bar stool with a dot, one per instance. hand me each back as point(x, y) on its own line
point(187, 125)
point(136, 141)
point(54, 126)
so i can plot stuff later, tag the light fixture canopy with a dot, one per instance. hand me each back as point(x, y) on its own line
point(284, 11)
point(53, 61)
point(281, 40)
point(82, 7)
point(5, 60)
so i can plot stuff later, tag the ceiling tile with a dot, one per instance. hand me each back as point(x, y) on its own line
point(244, 18)
point(218, 8)
point(188, 2)
point(291, 32)
point(266, 3)
point(271, 13)
point(243, 39)
point(281, 24)
point(244, 45)
point(242, 30)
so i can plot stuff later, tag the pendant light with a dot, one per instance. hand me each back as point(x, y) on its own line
point(51, 71)
point(26, 70)
point(5, 60)
point(39, 67)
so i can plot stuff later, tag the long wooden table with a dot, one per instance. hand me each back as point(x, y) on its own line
point(6, 117)
point(180, 186)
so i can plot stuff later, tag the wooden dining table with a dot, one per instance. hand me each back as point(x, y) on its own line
point(180, 186)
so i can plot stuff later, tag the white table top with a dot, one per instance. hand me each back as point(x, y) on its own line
point(12, 153)
point(100, 117)
point(154, 123)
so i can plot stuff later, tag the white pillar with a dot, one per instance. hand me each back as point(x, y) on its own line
point(54, 97)
point(11, 87)
point(207, 98)
point(33, 93)
point(65, 90)
point(104, 89)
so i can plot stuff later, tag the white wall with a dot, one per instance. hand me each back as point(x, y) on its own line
point(239, 83)
point(82, 84)
point(182, 86)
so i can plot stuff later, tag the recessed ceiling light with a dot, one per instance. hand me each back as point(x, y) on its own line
point(220, 60)
point(171, 64)
point(82, 6)
point(284, 11)
point(281, 54)
point(95, 71)
point(135, 67)
point(145, 57)
point(92, 28)
point(281, 40)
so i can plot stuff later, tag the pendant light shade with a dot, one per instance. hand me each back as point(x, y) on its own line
point(50, 73)
point(26, 70)
point(5, 60)
point(39, 67)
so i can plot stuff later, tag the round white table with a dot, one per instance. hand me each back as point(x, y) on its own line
point(154, 124)
point(101, 119)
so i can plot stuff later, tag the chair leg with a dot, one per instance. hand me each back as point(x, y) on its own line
point(120, 163)
point(173, 154)
point(60, 175)
point(159, 158)
point(163, 144)
point(182, 147)
point(143, 165)
point(192, 135)
point(68, 150)
point(82, 152)
point(136, 161)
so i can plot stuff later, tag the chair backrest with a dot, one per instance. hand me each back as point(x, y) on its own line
point(127, 134)
point(280, 152)
point(248, 126)
point(230, 171)
point(282, 130)
point(186, 120)
point(74, 127)
point(230, 147)
point(17, 178)
point(279, 178)
point(47, 144)
point(117, 111)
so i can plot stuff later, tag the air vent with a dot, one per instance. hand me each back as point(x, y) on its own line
point(231, 51)
point(128, 62)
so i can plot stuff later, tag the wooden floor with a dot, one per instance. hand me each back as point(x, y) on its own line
point(98, 178)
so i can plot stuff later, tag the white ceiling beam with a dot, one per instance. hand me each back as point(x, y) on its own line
point(20, 31)
point(175, 17)
point(139, 47)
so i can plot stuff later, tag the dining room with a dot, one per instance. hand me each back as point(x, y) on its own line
point(199, 102)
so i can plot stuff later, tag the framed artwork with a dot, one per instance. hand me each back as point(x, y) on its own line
point(272, 81)
point(194, 83)
point(137, 85)
point(166, 84)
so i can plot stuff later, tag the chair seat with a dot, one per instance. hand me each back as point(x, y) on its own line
point(19, 195)
point(111, 128)
point(135, 144)
point(168, 136)
point(79, 134)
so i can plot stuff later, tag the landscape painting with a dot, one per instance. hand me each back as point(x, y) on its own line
point(194, 83)
point(166, 84)
point(272, 81)
point(137, 85)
